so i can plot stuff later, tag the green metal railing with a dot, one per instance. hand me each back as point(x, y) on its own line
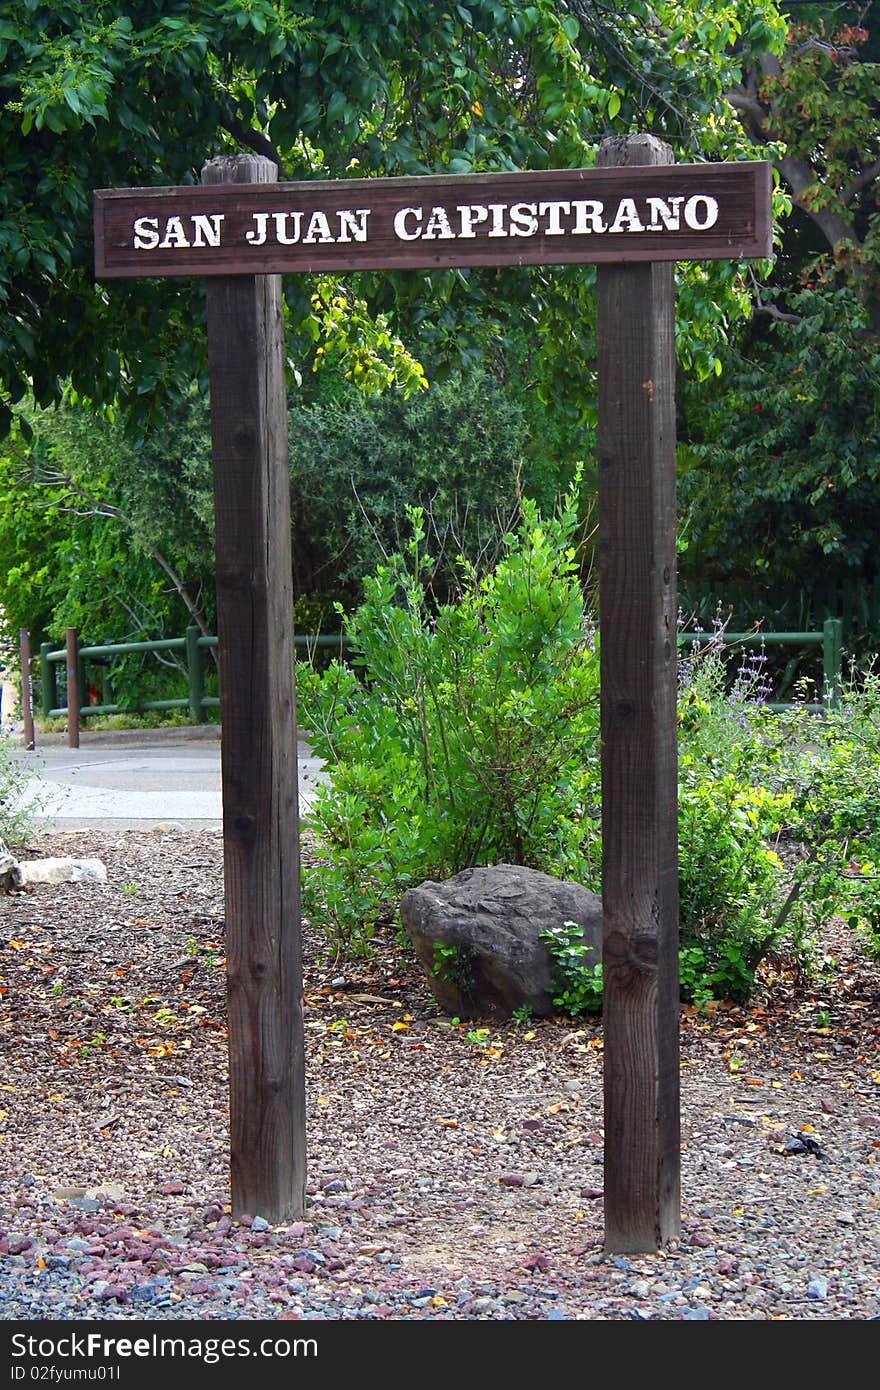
point(830, 639)
point(192, 648)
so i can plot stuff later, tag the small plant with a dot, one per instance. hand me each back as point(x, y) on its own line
point(521, 1016)
point(577, 977)
point(455, 964)
point(823, 1020)
point(477, 1037)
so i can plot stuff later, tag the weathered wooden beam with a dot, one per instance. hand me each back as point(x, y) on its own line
point(27, 700)
point(72, 652)
point(258, 731)
point(638, 617)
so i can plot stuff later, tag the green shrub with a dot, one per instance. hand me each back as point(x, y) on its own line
point(461, 733)
point(467, 733)
point(16, 821)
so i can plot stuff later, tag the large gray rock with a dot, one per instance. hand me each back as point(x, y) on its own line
point(478, 936)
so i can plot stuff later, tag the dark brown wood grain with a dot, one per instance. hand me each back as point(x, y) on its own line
point(638, 616)
point(258, 734)
point(27, 702)
point(71, 647)
point(741, 228)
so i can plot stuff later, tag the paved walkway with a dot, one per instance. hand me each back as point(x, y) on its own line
point(133, 778)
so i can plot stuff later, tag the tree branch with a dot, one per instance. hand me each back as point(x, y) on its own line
point(44, 476)
point(860, 181)
point(254, 141)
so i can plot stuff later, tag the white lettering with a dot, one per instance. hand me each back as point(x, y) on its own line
point(318, 229)
point(665, 217)
point(588, 217)
point(523, 219)
point(400, 228)
point(355, 223)
point(281, 235)
point(626, 213)
point(552, 212)
point(692, 213)
point(257, 235)
point(174, 236)
point(498, 228)
point(471, 215)
point(146, 233)
point(438, 228)
point(206, 229)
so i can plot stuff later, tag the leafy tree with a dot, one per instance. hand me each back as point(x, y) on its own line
point(457, 451)
point(142, 93)
point(105, 533)
point(814, 108)
point(780, 483)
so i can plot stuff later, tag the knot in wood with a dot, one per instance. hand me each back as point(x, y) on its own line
point(630, 957)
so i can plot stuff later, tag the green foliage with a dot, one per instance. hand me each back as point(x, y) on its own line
point(469, 735)
point(781, 482)
point(17, 818)
point(104, 533)
point(141, 93)
point(835, 787)
point(455, 964)
point(576, 976)
point(463, 732)
point(456, 451)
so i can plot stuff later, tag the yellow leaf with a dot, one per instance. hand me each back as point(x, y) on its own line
point(4, 1114)
point(796, 1076)
point(737, 1211)
point(777, 1085)
point(399, 1027)
point(527, 1037)
point(438, 1302)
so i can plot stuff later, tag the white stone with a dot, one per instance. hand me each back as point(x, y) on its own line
point(61, 871)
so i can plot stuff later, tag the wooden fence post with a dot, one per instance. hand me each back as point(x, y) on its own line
point(258, 730)
point(27, 697)
point(73, 667)
point(638, 625)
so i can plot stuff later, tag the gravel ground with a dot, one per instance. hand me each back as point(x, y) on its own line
point(455, 1171)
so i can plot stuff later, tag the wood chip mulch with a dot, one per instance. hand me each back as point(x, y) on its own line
point(454, 1170)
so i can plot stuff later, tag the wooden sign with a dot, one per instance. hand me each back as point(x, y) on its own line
point(241, 225)
point(552, 217)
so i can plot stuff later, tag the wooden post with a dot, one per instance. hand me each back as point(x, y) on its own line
point(72, 646)
point(27, 697)
point(258, 731)
point(638, 620)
